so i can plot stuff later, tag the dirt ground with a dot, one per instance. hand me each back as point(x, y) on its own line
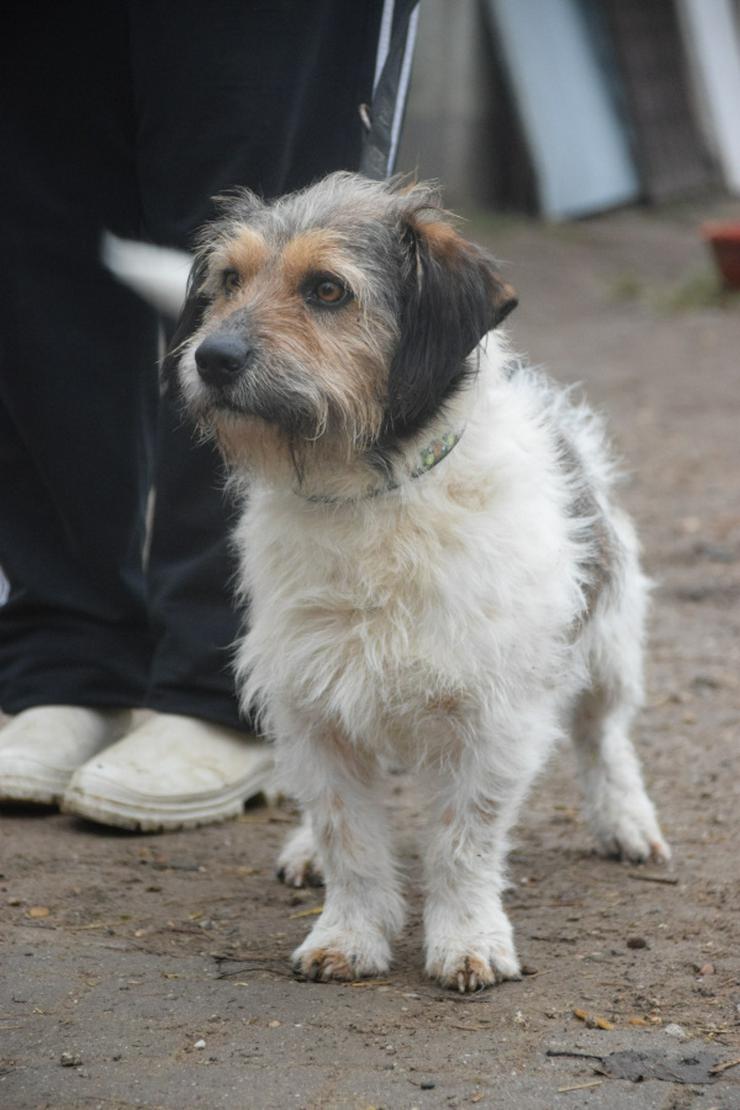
point(153, 971)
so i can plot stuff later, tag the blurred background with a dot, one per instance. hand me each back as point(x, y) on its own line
point(567, 108)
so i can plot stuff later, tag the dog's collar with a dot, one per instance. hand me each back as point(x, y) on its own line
point(427, 458)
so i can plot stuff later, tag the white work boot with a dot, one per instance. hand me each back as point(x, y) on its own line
point(171, 772)
point(42, 747)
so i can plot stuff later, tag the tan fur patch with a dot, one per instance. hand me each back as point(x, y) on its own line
point(470, 495)
point(477, 972)
point(444, 242)
point(448, 703)
point(315, 249)
point(247, 252)
point(451, 250)
point(326, 963)
point(248, 441)
point(342, 360)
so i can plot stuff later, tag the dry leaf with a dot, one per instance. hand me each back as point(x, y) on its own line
point(719, 1068)
point(38, 911)
point(593, 1021)
point(313, 912)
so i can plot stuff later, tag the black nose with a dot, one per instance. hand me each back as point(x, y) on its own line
point(221, 358)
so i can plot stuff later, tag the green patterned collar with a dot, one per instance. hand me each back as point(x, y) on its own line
point(431, 454)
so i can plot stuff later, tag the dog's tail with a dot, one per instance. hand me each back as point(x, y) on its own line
point(158, 274)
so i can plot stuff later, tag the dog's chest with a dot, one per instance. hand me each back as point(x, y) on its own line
point(371, 619)
point(391, 621)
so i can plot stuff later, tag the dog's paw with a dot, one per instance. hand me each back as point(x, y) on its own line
point(475, 969)
point(298, 863)
point(625, 827)
point(631, 841)
point(326, 955)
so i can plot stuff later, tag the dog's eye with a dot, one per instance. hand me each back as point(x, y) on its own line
point(230, 281)
point(329, 292)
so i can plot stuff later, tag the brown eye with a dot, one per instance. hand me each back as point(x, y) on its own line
point(330, 292)
point(230, 282)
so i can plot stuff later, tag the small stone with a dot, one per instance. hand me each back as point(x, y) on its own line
point(274, 1024)
point(200, 1044)
point(706, 969)
point(427, 1085)
point(674, 1030)
point(637, 942)
point(70, 1060)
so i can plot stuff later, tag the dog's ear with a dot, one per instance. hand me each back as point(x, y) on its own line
point(190, 320)
point(451, 296)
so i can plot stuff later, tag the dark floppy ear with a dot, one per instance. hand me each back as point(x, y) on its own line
point(451, 296)
point(190, 320)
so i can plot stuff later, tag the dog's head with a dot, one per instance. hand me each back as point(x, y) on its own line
point(342, 315)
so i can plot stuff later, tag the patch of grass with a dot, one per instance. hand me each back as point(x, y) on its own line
point(691, 293)
point(626, 287)
point(703, 289)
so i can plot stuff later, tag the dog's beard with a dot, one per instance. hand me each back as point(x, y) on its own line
point(286, 399)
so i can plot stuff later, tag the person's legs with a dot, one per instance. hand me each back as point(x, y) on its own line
point(232, 93)
point(77, 388)
point(226, 94)
point(77, 382)
point(77, 399)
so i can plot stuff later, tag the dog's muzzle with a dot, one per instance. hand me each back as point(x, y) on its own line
point(221, 359)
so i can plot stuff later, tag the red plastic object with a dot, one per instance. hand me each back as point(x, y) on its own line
point(724, 239)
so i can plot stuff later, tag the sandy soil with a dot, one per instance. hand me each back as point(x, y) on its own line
point(152, 971)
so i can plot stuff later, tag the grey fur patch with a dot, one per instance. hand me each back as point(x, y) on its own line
point(600, 565)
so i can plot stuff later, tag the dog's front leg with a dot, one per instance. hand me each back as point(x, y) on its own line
point(340, 792)
point(468, 937)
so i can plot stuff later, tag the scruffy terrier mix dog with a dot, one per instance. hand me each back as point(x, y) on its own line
point(436, 570)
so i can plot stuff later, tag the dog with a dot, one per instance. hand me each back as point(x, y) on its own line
point(436, 570)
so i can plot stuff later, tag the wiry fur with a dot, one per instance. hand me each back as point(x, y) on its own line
point(461, 621)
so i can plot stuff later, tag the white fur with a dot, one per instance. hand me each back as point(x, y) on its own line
point(460, 622)
point(445, 624)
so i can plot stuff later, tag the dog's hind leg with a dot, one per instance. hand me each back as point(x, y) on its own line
point(298, 863)
point(619, 811)
point(341, 792)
